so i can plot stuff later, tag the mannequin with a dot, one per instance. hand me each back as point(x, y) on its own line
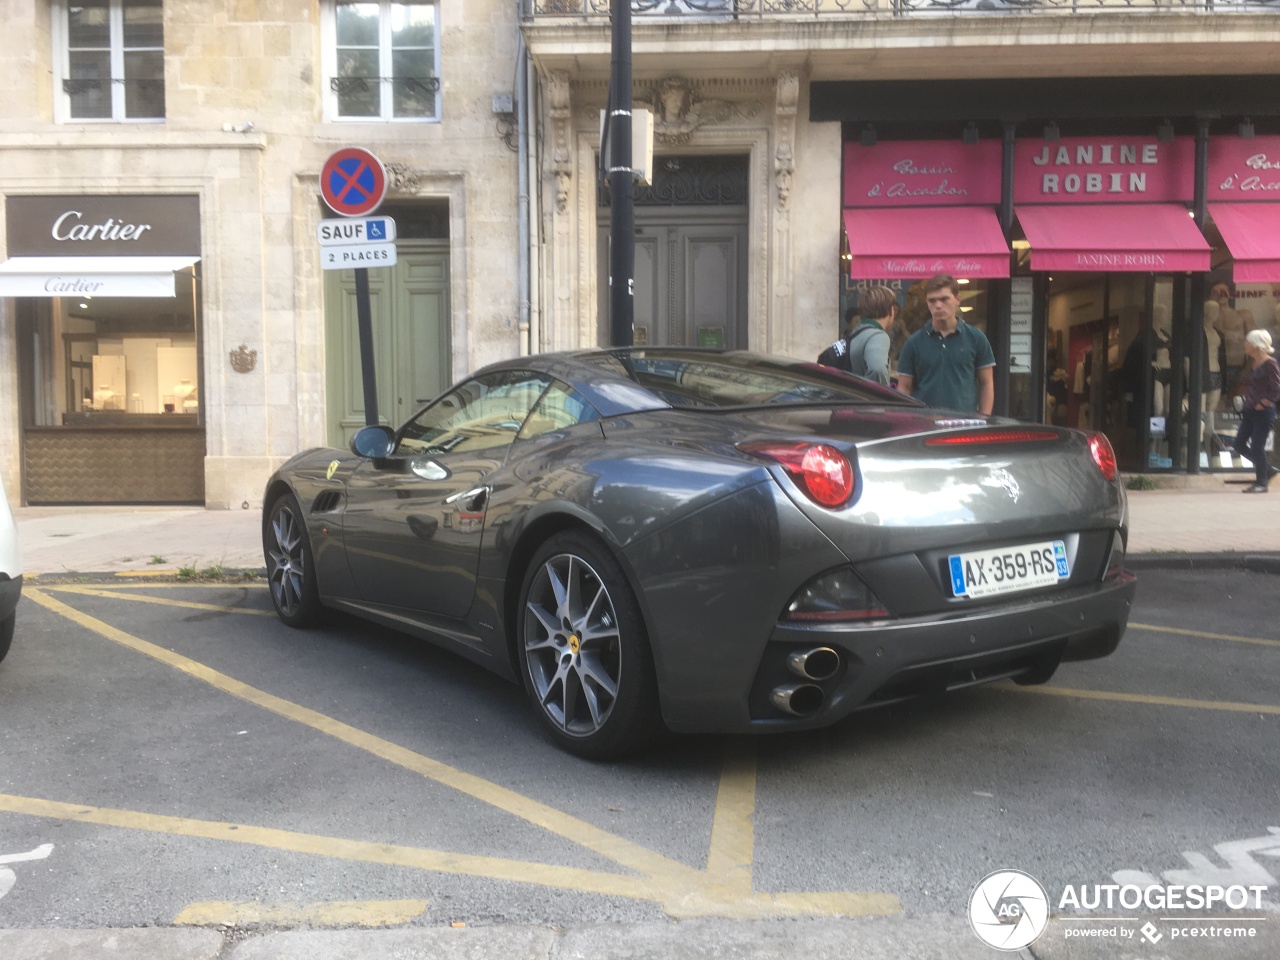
point(1213, 374)
point(1163, 328)
point(1233, 325)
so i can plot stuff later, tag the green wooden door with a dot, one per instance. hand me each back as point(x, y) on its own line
point(409, 304)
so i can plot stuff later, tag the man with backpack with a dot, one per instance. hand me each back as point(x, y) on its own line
point(864, 350)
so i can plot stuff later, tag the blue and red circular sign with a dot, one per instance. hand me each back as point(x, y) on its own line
point(353, 182)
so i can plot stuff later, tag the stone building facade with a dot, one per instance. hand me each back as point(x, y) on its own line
point(492, 153)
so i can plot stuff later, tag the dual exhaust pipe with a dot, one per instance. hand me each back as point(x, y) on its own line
point(806, 699)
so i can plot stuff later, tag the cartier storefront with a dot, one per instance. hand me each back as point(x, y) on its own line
point(107, 301)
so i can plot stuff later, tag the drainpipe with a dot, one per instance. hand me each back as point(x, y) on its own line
point(527, 342)
point(533, 188)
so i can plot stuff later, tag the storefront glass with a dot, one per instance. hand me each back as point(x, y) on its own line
point(116, 360)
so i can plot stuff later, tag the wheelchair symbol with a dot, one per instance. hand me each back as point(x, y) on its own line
point(7, 877)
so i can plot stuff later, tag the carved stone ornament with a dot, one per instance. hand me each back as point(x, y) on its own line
point(243, 359)
point(402, 178)
point(561, 110)
point(678, 111)
point(788, 94)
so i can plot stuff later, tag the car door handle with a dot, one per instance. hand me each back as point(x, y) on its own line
point(472, 500)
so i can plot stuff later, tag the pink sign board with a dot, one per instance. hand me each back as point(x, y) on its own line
point(922, 173)
point(1244, 169)
point(1104, 170)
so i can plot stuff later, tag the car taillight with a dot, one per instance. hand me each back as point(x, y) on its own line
point(836, 595)
point(1103, 455)
point(819, 469)
point(985, 437)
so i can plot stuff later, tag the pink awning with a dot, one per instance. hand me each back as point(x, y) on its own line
point(1251, 232)
point(1133, 237)
point(917, 242)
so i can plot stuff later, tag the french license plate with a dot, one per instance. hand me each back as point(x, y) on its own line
point(985, 573)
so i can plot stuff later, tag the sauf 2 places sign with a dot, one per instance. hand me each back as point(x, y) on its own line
point(349, 243)
point(353, 182)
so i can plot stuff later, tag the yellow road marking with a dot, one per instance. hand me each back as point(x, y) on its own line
point(388, 854)
point(336, 913)
point(111, 594)
point(1207, 636)
point(1113, 696)
point(681, 890)
point(733, 827)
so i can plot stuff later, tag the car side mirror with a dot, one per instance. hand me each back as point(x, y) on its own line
point(374, 442)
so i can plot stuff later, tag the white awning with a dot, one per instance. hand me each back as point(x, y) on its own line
point(90, 276)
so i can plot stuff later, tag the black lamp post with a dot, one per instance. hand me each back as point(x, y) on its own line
point(622, 218)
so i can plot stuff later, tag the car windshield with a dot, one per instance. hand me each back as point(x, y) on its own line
point(689, 378)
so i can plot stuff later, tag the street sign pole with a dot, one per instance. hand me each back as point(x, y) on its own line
point(364, 322)
point(353, 182)
point(622, 218)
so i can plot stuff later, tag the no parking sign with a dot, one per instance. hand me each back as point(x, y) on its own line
point(353, 182)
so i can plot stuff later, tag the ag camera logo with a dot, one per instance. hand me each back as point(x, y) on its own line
point(1008, 910)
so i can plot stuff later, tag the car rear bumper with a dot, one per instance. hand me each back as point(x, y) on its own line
point(10, 592)
point(889, 661)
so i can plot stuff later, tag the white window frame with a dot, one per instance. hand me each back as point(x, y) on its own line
point(62, 60)
point(386, 101)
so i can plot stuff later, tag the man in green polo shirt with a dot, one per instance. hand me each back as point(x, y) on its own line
point(948, 363)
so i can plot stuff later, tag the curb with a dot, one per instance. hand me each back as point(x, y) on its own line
point(1253, 562)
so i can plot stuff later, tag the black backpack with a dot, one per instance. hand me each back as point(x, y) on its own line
point(837, 355)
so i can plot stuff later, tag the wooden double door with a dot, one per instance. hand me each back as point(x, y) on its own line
point(690, 277)
point(409, 305)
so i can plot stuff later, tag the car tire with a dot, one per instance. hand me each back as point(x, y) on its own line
point(291, 569)
point(6, 633)
point(584, 652)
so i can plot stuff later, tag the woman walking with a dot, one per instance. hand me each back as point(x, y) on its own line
point(1258, 415)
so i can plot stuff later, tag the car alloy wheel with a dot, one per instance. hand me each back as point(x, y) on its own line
point(290, 569)
point(583, 650)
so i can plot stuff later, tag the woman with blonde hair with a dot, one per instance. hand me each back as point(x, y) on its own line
point(1258, 414)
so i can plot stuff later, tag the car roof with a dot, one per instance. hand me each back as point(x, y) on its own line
point(602, 376)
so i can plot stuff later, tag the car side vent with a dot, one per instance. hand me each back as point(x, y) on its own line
point(326, 502)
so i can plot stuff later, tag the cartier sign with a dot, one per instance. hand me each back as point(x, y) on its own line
point(120, 225)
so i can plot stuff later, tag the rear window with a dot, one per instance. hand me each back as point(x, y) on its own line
point(739, 379)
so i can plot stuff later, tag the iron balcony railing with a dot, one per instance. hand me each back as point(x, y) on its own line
point(748, 10)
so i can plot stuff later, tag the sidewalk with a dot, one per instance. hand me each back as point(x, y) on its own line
point(1207, 521)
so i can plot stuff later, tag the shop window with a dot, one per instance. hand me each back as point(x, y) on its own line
point(111, 59)
point(383, 60)
point(116, 361)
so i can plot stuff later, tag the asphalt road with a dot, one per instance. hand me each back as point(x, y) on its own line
point(192, 761)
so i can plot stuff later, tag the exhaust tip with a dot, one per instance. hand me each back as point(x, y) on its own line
point(798, 699)
point(820, 663)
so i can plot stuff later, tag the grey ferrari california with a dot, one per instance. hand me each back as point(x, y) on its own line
point(709, 541)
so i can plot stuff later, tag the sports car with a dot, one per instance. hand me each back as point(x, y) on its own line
point(709, 541)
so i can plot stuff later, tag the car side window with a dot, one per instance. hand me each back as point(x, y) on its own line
point(482, 413)
point(560, 407)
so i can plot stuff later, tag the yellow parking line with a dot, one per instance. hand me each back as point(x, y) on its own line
point(387, 854)
point(111, 594)
point(733, 827)
point(1207, 636)
point(1113, 696)
point(336, 913)
point(682, 891)
point(554, 821)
